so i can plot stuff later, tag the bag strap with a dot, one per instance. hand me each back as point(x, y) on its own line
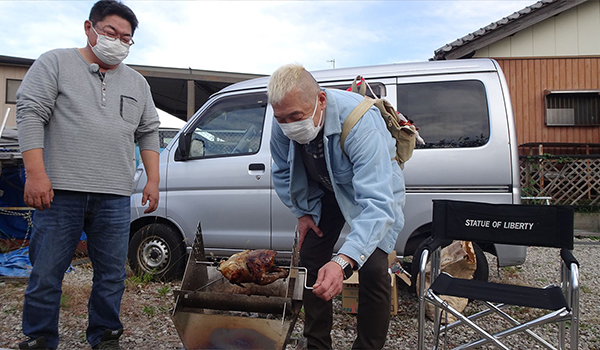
point(354, 117)
point(362, 89)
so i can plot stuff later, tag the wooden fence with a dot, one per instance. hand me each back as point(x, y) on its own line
point(568, 180)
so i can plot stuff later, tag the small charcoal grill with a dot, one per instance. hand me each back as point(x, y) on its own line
point(211, 313)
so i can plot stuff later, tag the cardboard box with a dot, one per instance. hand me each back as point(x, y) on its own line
point(350, 292)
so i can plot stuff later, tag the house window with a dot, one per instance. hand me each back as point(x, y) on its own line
point(12, 85)
point(572, 108)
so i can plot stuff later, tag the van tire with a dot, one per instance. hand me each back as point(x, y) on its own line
point(482, 271)
point(158, 250)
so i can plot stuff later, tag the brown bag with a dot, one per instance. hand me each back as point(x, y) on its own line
point(458, 260)
point(402, 130)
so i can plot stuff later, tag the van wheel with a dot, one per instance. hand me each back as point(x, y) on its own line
point(157, 250)
point(481, 271)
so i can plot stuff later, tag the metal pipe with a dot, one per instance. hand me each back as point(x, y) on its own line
point(233, 302)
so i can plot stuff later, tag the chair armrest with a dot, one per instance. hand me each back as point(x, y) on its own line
point(432, 243)
point(568, 258)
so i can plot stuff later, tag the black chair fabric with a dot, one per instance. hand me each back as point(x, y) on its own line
point(550, 298)
point(535, 225)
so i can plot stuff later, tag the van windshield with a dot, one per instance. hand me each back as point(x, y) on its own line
point(449, 114)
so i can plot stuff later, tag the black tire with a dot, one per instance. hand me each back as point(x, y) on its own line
point(157, 249)
point(481, 273)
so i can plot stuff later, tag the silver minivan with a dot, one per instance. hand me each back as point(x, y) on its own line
point(217, 170)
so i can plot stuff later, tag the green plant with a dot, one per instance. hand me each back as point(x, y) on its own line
point(11, 310)
point(64, 301)
point(144, 278)
point(149, 310)
point(164, 291)
point(163, 309)
point(513, 269)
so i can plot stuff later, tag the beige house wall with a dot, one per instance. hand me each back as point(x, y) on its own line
point(9, 72)
point(571, 33)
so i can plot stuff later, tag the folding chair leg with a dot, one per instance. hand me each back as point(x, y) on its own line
point(574, 306)
point(437, 322)
point(551, 317)
point(561, 335)
point(517, 323)
point(422, 268)
point(490, 338)
point(473, 317)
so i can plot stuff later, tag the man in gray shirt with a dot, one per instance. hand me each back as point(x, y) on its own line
point(79, 114)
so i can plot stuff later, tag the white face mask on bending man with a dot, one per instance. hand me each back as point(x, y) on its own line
point(303, 131)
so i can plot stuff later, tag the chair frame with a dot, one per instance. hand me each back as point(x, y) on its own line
point(562, 238)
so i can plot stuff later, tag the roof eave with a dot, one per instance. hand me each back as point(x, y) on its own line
point(465, 50)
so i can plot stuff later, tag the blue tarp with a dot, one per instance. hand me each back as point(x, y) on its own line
point(12, 223)
point(15, 263)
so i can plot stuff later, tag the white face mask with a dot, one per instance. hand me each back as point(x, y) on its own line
point(111, 52)
point(303, 131)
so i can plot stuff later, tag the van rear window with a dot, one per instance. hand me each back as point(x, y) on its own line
point(449, 114)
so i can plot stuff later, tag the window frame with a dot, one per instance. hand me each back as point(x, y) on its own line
point(190, 133)
point(7, 90)
point(575, 101)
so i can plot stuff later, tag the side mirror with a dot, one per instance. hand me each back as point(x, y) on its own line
point(183, 147)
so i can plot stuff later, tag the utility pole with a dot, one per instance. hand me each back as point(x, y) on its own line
point(333, 61)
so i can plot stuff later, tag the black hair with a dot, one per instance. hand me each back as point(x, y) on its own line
point(104, 8)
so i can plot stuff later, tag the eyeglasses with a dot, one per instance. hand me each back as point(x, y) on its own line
point(111, 34)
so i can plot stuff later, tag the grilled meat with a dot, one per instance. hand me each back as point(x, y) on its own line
point(252, 266)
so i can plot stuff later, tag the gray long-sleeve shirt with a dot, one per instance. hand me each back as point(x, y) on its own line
point(87, 126)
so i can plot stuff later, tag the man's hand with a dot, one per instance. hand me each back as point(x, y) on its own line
point(38, 192)
point(306, 223)
point(150, 195)
point(329, 281)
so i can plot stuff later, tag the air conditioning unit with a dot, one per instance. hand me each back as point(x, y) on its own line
point(560, 116)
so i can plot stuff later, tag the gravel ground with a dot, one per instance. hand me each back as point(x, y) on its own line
point(146, 307)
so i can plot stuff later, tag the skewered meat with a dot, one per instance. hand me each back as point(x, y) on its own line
point(254, 266)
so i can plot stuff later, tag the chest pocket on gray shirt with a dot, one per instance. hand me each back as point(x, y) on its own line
point(129, 109)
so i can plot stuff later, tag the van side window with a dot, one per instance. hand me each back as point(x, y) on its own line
point(449, 114)
point(231, 126)
point(377, 88)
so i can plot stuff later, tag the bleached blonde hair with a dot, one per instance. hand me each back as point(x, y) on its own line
point(289, 77)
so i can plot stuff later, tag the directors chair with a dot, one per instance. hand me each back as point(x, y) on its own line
point(523, 225)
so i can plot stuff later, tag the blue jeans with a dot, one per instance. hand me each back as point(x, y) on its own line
point(55, 236)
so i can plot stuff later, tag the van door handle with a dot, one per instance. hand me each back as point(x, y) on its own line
point(256, 167)
point(256, 170)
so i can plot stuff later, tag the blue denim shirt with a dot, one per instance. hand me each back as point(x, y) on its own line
point(368, 184)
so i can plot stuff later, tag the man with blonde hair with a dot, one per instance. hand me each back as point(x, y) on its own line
point(325, 188)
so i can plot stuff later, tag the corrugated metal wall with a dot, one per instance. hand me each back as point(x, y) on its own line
point(528, 78)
